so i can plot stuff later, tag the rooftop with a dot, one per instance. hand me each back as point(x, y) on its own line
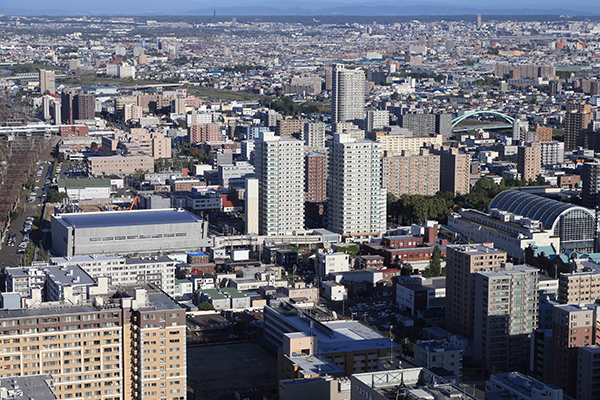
point(38, 387)
point(521, 384)
point(70, 275)
point(122, 218)
point(535, 207)
point(411, 383)
point(476, 249)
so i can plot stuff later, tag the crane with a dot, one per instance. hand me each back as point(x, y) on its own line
point(133, 202)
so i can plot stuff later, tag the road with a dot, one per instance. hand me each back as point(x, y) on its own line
point(8, 254)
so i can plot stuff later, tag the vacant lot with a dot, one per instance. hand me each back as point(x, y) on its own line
point(216, 370)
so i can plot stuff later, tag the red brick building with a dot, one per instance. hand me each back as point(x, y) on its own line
point(71, 130)
point(203, 133)
point(315, 165)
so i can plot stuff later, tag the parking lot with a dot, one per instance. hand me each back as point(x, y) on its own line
point(216, 370)
point(223, 327)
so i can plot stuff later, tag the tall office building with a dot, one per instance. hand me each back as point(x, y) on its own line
point(348, 94)
point(356, 199)
point(462, 262)
point(426, 124)
point(455, 173)
point(315, 168)
point(47, 82)
point(411, 173)
point(578, 122)
point(590, 176)
point(280, 170)
point(529, 161)
point(587, 363)
point(506, 313)
point(130, 345)
point(84, 107)
point(313, 134)
point(478, 21)
point(251, 203)
point(574, 326)
point(66, 103)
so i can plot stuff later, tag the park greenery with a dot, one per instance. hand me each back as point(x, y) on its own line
point(287, 106)
point(410, 209)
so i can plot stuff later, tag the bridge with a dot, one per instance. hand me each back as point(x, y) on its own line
point(458, 120)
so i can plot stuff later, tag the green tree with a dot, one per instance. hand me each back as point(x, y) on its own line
point(395, 96)
point(205, 306)
point(54, 196)
point(435, 264)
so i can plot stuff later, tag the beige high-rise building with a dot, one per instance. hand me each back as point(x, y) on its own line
point(47, 82)
point(462, 262)
point(356, 199)
point(251, 205)
point(529, 160)
point(280, 171)
point(506, 313)
point(289, 127)
point(411, 173)
point(130, 346)
point(455, 174)
point(398, 143)
point(582, 285)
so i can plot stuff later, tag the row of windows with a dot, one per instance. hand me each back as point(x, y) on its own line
point(135, 237)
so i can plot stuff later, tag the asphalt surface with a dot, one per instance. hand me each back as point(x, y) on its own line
point(8, 254)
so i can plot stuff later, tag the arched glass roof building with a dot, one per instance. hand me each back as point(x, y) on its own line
point(573, 224)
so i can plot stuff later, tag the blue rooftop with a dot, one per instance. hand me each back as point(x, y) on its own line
point(125, 218)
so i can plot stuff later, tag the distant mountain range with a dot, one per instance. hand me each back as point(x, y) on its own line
point(307, 8)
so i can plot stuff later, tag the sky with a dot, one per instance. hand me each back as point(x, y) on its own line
point(300, 7)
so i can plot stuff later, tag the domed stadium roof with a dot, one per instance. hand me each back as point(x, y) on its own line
point(532, 206)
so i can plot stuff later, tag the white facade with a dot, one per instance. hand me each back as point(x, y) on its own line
point(251, 205)
point(329, 263)
point(553, 152)
point(124, 271)
point(377, 119)
point(196, 118)
point(348, 94)
point(126, 71)
point(513, 236)
point(357, 201)
point(280, 171)
point(334, 291)
point(313, 134)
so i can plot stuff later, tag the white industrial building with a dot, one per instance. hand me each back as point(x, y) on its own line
point(85, 189)
point(128, 232)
